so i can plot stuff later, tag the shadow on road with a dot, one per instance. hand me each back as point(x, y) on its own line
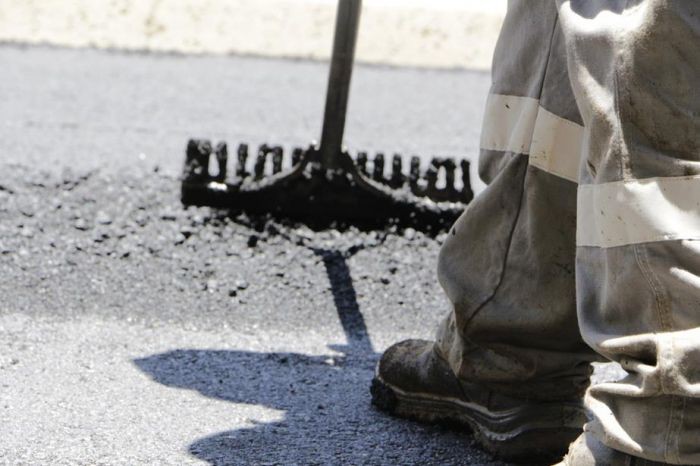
point(328, 417)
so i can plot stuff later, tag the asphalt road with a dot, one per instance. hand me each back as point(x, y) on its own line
point(134, 331)
point(137, 332)
point(112, 111)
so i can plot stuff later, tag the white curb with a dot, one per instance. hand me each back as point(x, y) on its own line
point(425, 33)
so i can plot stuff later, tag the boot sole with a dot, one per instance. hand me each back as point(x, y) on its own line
point(533, 433)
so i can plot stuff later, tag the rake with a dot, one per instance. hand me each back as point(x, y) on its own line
point(323, 182)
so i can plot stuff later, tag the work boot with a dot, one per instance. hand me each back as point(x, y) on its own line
point(413, 381)
point(588, 451)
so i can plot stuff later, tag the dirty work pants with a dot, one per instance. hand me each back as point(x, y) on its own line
point(586, 243)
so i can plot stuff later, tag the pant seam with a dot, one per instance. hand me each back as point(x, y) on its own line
point(667, 437)
point(679, 427)
point(642, 256)
point(673, 424)
point(618, 113)
point(620, 137)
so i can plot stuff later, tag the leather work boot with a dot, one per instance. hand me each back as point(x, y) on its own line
point(414, 382)
point(588, 451)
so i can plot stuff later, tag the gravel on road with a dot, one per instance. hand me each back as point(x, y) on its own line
point(136, 331)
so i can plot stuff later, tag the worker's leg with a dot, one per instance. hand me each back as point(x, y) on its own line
point(635, 70)
point(509, 359)
point(508, 265)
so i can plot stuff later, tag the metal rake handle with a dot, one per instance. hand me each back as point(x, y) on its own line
point(346, 26)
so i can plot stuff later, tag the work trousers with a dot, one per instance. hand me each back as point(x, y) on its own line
point(585, 245)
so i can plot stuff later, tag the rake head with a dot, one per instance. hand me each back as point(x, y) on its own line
point(299, 186)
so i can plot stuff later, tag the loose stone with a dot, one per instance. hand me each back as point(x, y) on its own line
point(102, 218)
point(241, 284)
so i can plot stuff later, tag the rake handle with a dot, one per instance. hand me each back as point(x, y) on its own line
point(345, 37)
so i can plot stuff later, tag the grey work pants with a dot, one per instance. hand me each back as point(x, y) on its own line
point(586, 243)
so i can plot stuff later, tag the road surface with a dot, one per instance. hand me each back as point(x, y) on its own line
point(137, 332)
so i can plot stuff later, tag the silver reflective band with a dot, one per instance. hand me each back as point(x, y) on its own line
point(508, 123)
point(638, 211)
point(556, 145)
point(520, 125)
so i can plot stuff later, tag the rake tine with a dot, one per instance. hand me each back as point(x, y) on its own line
point(362, 162)
point(431, 177)
point(378, 174)
point(467, 193)
point(449, 166)
point(259, 167)
point(296, 155)
point(221, 152)
point(414, 176)
point(414, 172)
point(242, 158)
point(197, 158)
point(396, 171)
point(276, 159)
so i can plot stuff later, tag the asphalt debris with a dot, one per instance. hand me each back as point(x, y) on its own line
point(123, 249)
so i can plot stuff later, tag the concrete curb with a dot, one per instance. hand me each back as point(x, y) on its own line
point(436, 33)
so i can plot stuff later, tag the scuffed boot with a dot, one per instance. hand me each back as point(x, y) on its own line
point(413, 381)
point(588, 451)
